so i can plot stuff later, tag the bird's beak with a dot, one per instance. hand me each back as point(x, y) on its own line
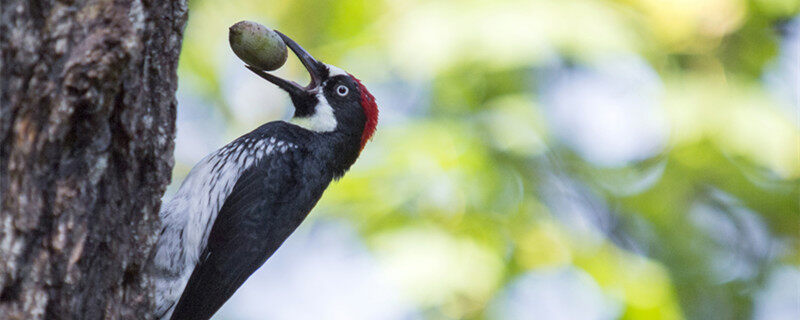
point(316, 69)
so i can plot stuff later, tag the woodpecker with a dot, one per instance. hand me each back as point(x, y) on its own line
point(239, 203)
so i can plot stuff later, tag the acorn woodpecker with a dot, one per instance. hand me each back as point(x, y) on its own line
point(238, 204)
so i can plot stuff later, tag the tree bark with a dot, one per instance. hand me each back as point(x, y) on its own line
point(87, 123)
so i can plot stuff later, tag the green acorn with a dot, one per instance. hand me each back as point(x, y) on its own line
point(257, 45)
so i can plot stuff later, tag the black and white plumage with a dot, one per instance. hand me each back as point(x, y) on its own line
point(238, 204)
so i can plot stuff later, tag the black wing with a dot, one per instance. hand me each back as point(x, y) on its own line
point(266, 205)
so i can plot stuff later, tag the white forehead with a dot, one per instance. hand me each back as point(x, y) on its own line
point(335, 71)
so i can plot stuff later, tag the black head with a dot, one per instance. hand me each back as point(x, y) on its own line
point(334, 100)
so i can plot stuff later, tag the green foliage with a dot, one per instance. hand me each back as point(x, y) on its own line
point(453, 197)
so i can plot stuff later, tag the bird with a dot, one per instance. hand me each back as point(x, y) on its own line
point(238, 204)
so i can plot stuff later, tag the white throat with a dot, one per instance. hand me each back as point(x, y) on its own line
point(322, 120)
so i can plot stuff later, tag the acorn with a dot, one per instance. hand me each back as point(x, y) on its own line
point(257, 45)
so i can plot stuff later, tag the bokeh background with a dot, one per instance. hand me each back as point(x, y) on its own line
point(563, 159)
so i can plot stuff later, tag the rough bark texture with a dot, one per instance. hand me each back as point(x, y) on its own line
point(87, 113)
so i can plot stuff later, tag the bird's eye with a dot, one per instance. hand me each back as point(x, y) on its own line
point(342, 90)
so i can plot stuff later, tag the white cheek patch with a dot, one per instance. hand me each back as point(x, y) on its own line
point(322, 120)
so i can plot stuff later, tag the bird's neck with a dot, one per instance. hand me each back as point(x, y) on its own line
point(337, 149)
point(342, 150)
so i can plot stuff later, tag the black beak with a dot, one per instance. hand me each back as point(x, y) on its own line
point(316, 69)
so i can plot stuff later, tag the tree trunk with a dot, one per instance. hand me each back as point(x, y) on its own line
point(87, 122)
